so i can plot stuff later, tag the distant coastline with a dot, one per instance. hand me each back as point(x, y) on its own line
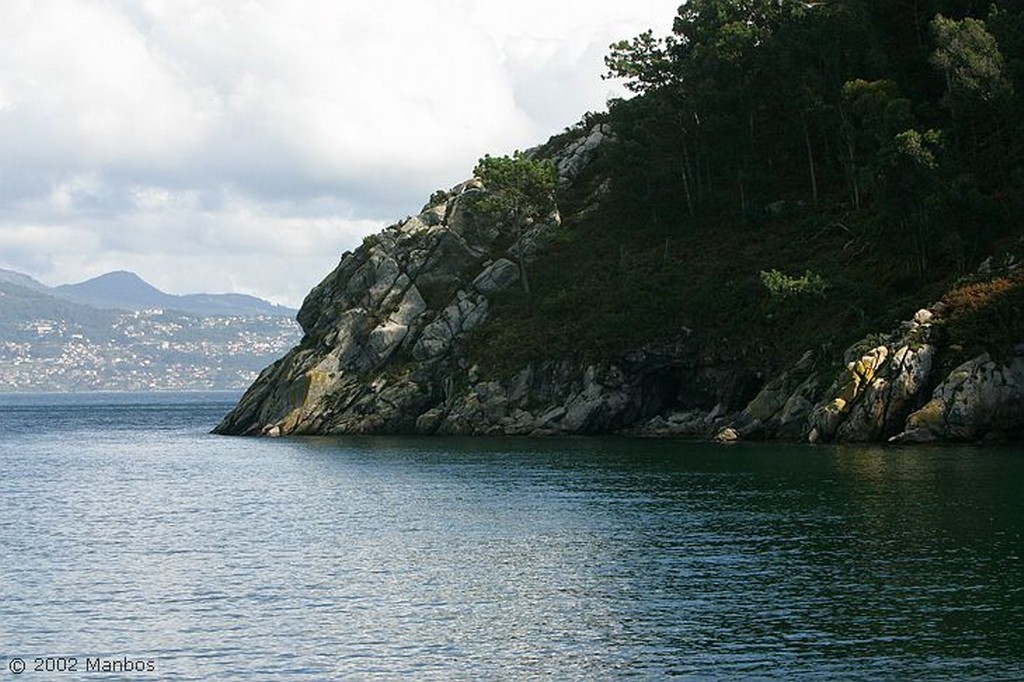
point(116, 333)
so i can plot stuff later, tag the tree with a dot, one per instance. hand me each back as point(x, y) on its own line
point(977, 87)
point(970, 59)
point(1007, 25)
point(520, 192)
point(873, 113)
point(912, 192)
point(643, 62)
point(759, 100)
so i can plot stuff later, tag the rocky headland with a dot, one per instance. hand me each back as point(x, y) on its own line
point(386, 333)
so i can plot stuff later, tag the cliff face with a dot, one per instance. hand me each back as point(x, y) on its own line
point(382, 331)
point(384, 336)
point(383, 350)
point(385, 341)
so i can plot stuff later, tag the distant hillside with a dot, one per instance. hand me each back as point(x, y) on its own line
point(134, 339)
point(127, 291)
point(120, 289)
point(17, 278)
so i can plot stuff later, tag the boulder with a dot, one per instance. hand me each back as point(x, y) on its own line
point(580, 153)
point(783, 403)
point(498, 276)
point(979, 399)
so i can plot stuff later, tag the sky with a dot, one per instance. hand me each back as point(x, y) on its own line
point(244, 145)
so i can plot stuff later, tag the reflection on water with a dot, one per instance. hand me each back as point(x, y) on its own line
point(135, 533)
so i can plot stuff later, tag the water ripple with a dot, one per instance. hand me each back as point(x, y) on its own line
point(126, 530)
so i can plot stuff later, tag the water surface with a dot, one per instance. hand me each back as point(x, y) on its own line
point(127, 531)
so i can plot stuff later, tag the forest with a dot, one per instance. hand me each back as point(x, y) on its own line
point(788, 175)
point(908, 109)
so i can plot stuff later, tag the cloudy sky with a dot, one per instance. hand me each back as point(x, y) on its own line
point(243, 145)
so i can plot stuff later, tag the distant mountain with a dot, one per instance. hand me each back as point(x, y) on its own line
point(117, 290)
point(21, 280)
point(123, 290)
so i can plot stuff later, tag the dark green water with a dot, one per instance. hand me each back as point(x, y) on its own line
point(126, 530)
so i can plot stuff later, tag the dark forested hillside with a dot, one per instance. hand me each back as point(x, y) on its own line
point(827, 103)
point(873, 147)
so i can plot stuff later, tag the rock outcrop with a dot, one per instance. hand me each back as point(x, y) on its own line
point(580, 153)
point(979, 399)
point(890, 388)
point(382, 332)
point(383, 351)
point(384, 335)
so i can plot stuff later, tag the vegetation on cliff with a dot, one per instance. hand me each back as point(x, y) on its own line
point(789, 176)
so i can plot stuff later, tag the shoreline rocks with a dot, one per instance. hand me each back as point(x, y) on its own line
point(889, 389)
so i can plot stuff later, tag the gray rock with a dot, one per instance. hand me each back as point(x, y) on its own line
point(382, 342)
point(688, 424)
point(454, 321)
point(395, 307)
point(498, 276)
point(881, 392)
point(888, 398)
point(552, 415)
point(579, 154)
point(428, 422)
point(978, 399)
point(782, 406)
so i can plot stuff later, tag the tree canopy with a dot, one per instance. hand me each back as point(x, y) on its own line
point(896, 113)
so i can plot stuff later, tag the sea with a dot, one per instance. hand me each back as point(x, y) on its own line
point(135, 545)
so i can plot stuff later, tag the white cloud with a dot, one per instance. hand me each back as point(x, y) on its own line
point(246, 143)
point(70, 193)
point(83, 87)
point(148, 198)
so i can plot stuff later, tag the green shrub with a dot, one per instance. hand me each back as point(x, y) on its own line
point(782, 287)
point(518, 187)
